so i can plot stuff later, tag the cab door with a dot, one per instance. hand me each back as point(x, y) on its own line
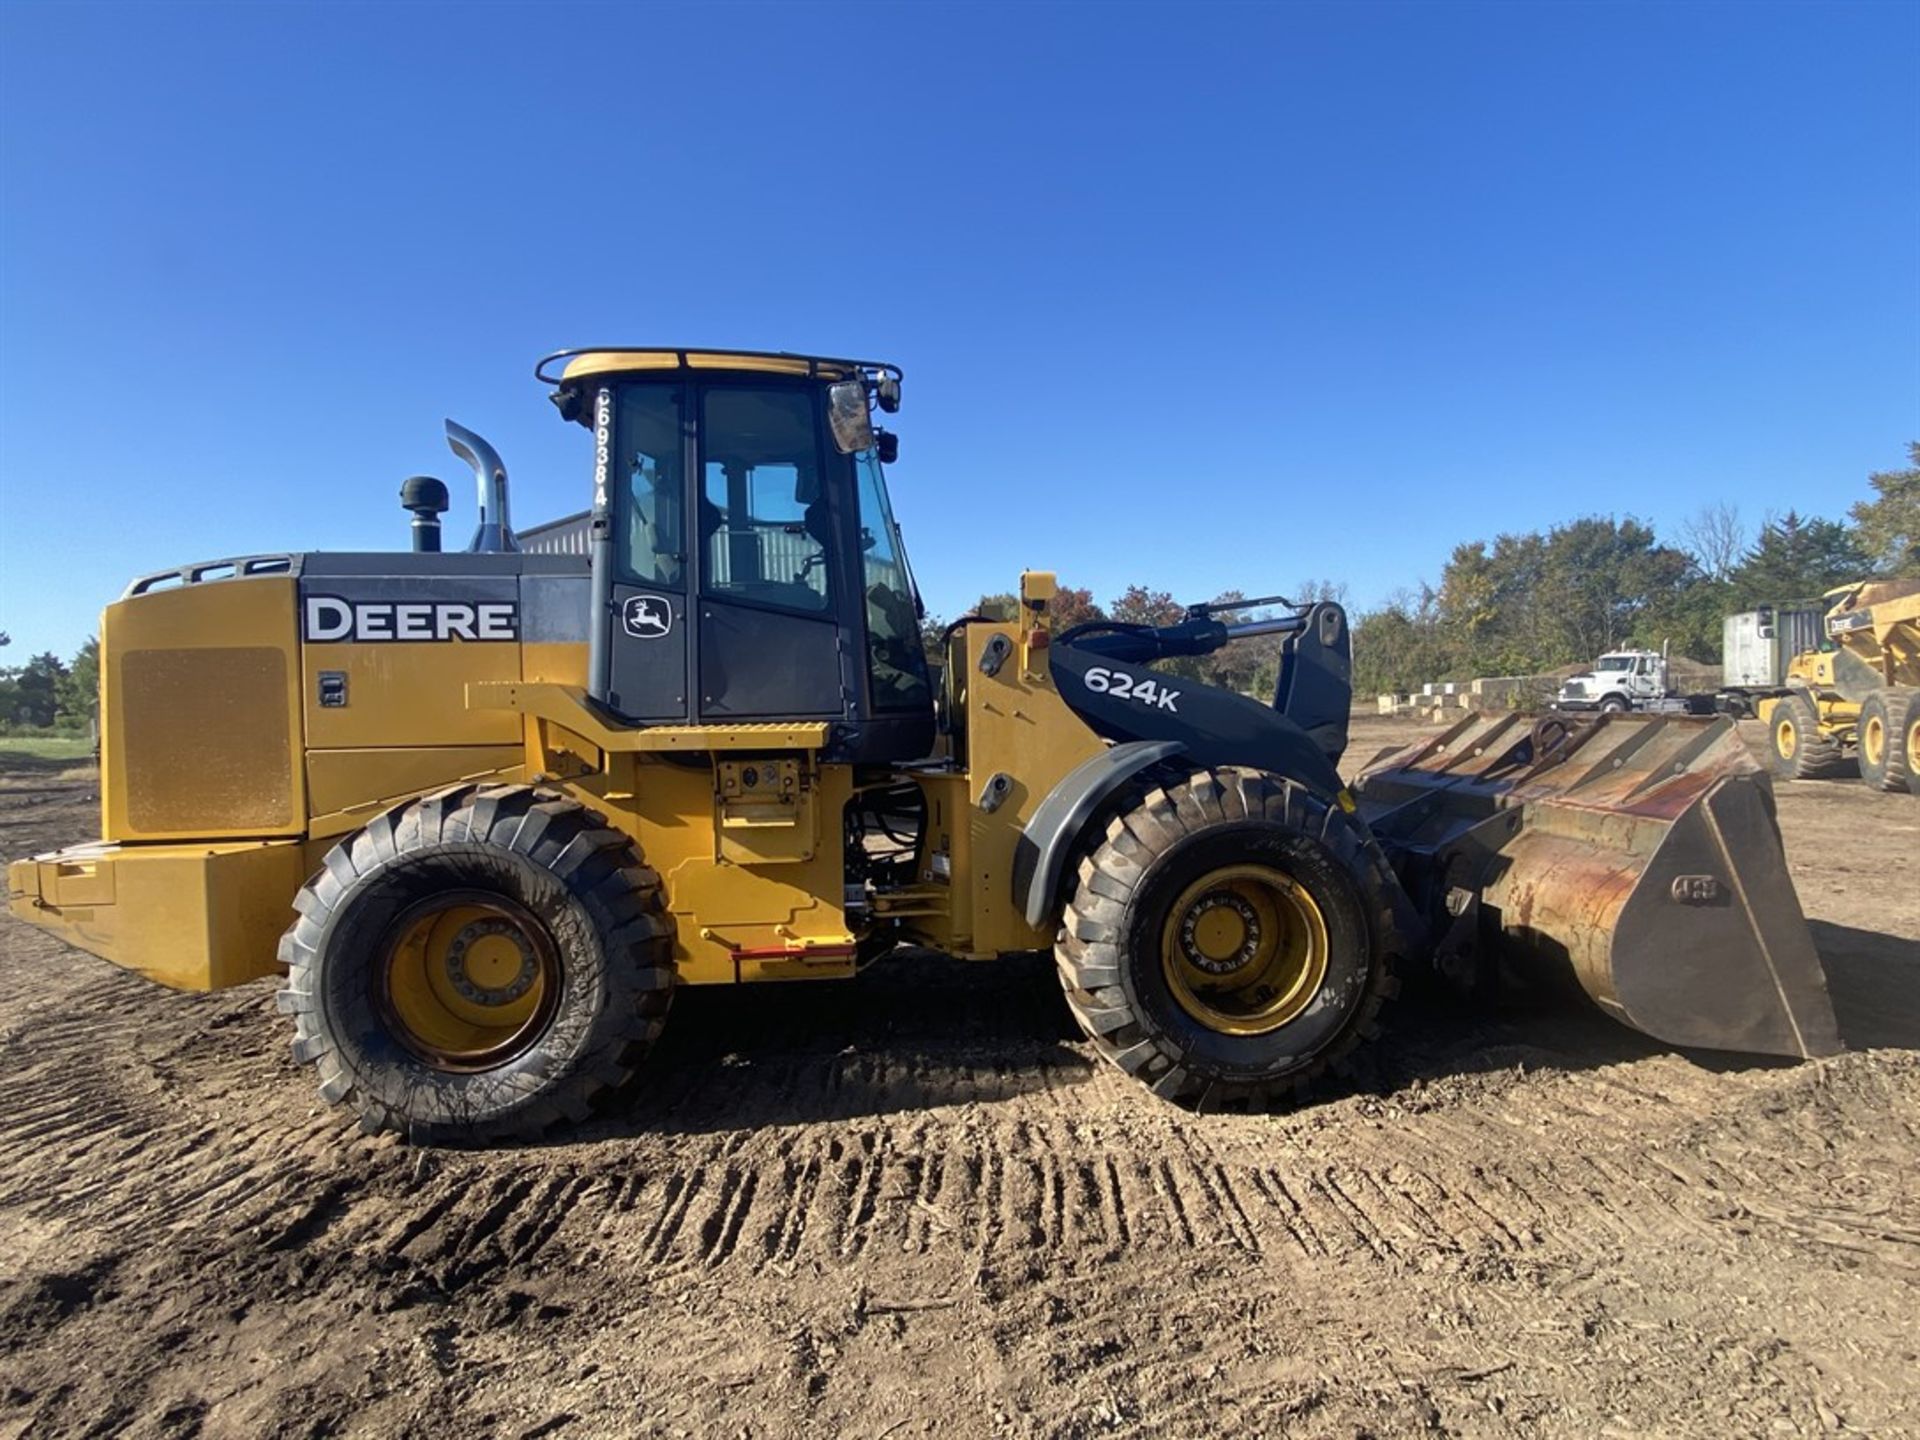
point(768, 556)
point(651, 639)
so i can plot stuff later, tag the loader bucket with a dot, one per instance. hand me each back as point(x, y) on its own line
point(1637, 856)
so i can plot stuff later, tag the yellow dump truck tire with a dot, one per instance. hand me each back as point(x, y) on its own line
point(1913, 745)
point(1885, 732)
point(1796, 745)
point(1228, 940)
point(478, 965)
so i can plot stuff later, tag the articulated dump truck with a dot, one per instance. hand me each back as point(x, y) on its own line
point(483, 813)
point(1854, 704)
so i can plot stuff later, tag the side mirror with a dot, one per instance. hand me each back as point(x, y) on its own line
point(888, 444)
point(888, 393)
point(847, 414)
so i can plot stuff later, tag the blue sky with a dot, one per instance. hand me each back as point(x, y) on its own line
point(1198, 297)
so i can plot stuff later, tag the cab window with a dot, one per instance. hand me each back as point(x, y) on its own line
point(765, 526)
point(650, 547)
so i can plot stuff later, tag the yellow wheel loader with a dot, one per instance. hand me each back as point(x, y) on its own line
point(484, 812)
point(1856, 704)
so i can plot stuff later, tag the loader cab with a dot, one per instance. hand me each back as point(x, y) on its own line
point(746, 566)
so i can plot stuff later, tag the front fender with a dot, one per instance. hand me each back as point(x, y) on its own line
point(1215, 727)
point(1047, 840)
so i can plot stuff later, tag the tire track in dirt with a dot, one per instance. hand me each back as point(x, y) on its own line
point(830, 1199)
point(819, 1196)
point(83, 1140)
point(836, 1164)
point(1417, 1193)
point(98, 1137)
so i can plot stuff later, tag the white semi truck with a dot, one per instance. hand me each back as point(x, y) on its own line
point(1756, 646)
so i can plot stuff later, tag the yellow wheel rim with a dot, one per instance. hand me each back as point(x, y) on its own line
point(468, 981)
point(1244, 950)
point(1786, 739)
point(1913, 743)
point(1873, 739)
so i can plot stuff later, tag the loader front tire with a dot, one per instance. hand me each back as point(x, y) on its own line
point(1800, 750)
point(478, 965)
point(1887, 722)
point(1228, 940)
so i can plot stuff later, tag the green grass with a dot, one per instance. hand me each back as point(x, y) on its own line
point(48, 747)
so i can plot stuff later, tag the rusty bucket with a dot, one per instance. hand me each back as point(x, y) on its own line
point(1637, 856)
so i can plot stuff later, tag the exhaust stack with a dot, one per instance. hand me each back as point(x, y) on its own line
point(495, 531)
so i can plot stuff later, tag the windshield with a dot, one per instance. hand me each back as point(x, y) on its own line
point(1615, 662)
point(894, 654)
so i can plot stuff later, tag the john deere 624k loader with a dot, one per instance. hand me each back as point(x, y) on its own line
point(484, 812)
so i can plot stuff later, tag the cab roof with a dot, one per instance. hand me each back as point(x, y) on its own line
point(621, 359)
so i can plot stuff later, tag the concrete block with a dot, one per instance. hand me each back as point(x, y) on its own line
point(1498, 692)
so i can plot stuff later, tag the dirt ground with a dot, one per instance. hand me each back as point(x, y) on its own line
point(913, 1205)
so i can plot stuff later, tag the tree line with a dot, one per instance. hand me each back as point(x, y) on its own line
point(1525, 604)
point(48, 693)
point(1528, 603)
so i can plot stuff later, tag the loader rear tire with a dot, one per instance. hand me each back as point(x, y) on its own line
point(1229, 939)
point(1799, 748)
point(1887, 720)
point(478, 965)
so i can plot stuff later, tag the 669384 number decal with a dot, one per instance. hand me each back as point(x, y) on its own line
point(1146, 690)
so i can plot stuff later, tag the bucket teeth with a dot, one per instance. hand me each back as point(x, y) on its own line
point(1638, 856)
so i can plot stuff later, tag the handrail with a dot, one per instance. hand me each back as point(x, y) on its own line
point(236, 567)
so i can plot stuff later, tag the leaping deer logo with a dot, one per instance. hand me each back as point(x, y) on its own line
point(647, 617)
